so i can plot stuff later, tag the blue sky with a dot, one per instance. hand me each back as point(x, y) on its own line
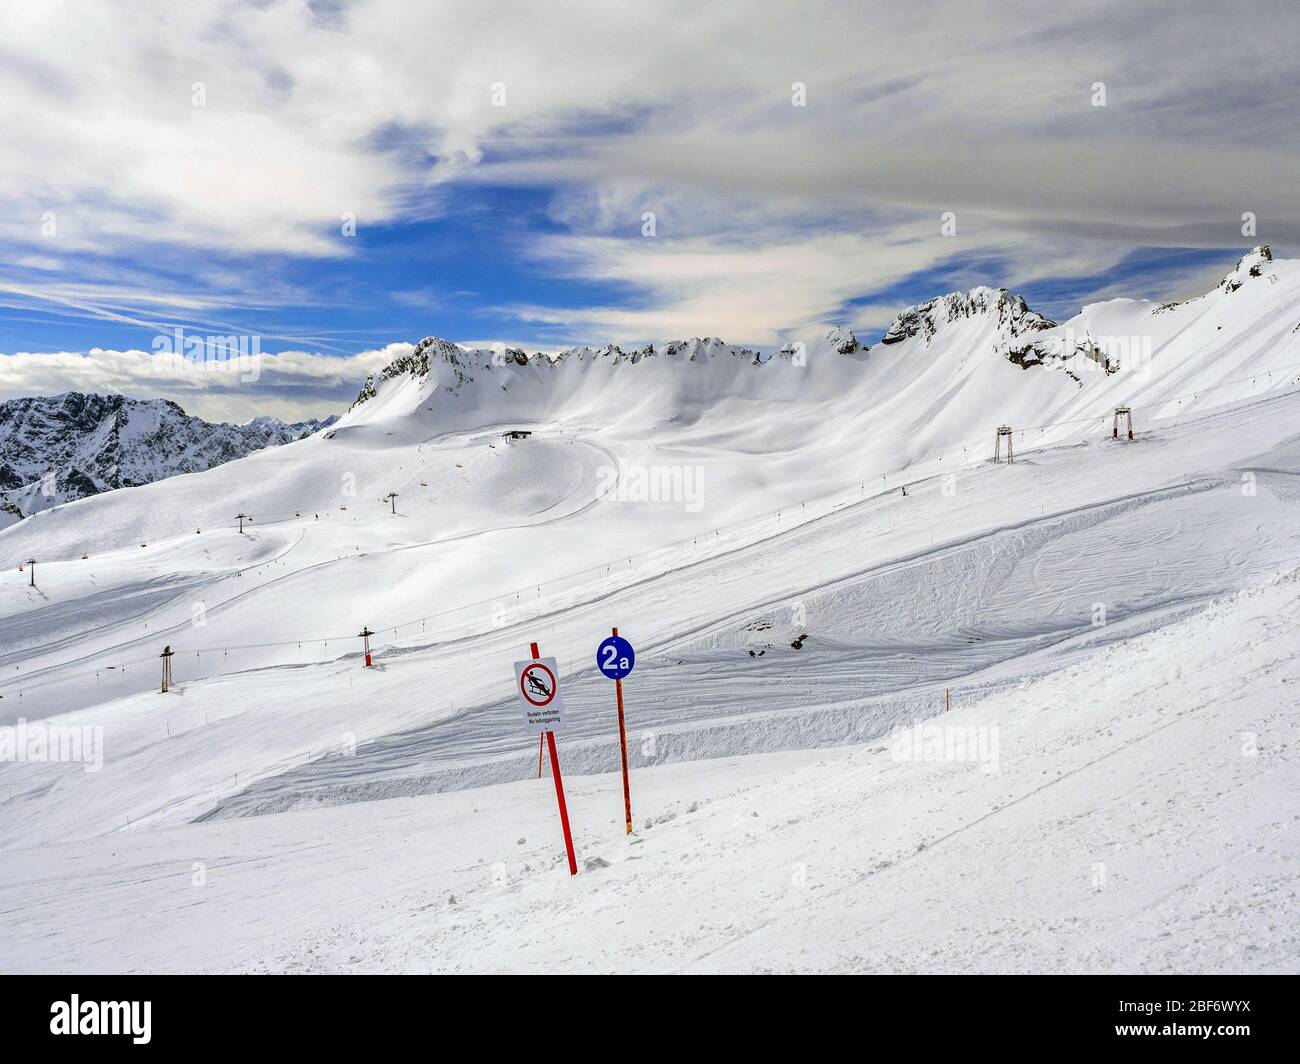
point(462, 274)
point(395, 280)
point(191, 165)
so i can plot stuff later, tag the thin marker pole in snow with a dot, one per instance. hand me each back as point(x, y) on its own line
point(559, 785)
point(622, 742)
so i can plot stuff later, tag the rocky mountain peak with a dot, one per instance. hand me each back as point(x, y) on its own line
point(1011, 313)
point(64, 447)
point(1251, 264)
point(843, 341)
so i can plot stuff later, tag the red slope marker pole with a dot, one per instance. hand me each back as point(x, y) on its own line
point(622, 742)
point(559, 786)
point(559, 797)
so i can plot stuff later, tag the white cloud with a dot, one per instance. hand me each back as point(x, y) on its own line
point(294, 385)
point(929, 109)
point(771, 288)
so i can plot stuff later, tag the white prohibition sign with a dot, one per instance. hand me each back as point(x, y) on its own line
point(537, 683)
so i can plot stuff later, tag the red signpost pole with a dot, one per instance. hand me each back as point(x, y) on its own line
point(559, 785)
point(622, 742)
point(564, 809)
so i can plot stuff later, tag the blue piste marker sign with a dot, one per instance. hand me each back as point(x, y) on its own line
point(615, 658)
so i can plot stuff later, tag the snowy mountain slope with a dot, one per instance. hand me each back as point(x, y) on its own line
point(750, 447)
point(840, 661)
point(481, 518)
point(938, 379)
point(64, 447)
point(1141, 818)
point(741, 520)
point(1009, 585)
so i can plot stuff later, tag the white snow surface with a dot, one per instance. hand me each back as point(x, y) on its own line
point(792, 611)
point(1126, 829)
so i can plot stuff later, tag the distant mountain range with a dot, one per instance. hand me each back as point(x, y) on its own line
point(55, 449)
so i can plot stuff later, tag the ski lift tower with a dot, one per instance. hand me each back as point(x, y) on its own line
point(166, 656)
point(1003, 430)
point(1127, 414)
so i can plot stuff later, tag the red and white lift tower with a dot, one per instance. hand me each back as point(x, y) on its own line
point(1127, 414)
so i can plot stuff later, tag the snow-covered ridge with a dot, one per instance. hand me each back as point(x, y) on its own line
point(64, 447)
point(1098, 334)
point(458, 365)
point(944, 372)
point(986, 320)
point(971, 348)
point(1249, 265)
point(450, 367)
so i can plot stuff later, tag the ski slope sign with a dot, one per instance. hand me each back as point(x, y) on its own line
point(615, 657)
point(537, 683)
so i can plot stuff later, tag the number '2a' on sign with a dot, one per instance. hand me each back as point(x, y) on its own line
point(615, 658)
